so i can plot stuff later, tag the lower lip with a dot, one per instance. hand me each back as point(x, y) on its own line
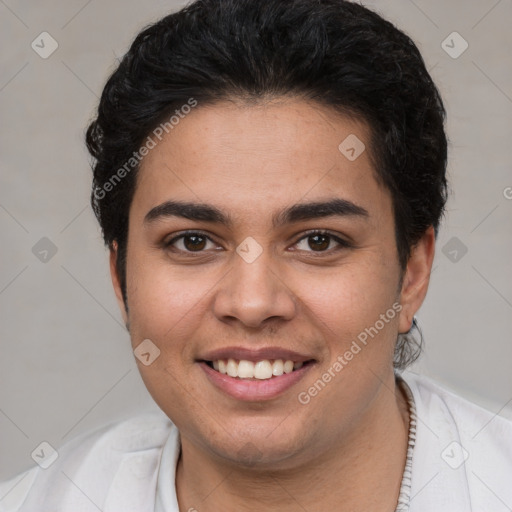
point(254, 390)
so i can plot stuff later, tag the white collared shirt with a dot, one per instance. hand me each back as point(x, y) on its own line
point(462, 462)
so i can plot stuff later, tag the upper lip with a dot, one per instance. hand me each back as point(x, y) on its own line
point(254, 355)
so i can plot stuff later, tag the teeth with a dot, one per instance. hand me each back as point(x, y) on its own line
point(277, 367)
point(232, 368)
point(246, 370)
point(261, 370)
point(288, 367)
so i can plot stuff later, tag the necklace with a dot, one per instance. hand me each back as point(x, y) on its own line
point(405, 487)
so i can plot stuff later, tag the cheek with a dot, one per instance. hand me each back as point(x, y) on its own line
point(164, 302)
point(348, 298)
point(165, 307)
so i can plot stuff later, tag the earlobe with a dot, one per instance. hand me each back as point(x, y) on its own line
point(416, 279)
point(116, 282)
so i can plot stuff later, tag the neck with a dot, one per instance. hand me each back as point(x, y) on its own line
point(363, 471)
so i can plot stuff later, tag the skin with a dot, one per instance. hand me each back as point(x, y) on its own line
point(345, 449)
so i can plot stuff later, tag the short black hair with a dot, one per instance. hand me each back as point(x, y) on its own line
point(336, 53)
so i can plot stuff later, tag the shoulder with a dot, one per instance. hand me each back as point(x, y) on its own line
point(471, 419)
point(89, 465)
point(463, 452)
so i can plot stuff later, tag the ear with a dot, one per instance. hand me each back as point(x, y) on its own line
point(416, 278)
point(116, 282)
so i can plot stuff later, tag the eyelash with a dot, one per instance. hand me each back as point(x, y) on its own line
point(343, 244)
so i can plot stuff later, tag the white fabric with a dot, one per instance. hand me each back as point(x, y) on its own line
point(130, 466)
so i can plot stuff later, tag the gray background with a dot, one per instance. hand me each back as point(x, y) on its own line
point(65, 361)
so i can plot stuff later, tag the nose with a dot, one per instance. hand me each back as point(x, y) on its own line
point(253, 293)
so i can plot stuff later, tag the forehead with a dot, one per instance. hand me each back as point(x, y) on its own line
point(255, 159)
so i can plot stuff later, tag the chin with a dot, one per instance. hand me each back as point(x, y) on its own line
point(259, 446)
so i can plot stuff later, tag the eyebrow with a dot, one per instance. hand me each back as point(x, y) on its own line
point(297, 212)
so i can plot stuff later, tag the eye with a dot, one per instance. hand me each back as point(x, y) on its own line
point(191, 241)
point(320, 241)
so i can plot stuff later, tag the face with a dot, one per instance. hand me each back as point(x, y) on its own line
point(253, 241)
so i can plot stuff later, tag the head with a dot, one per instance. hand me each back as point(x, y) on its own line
point(246, 122)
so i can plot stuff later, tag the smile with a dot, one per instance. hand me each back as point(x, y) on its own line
point(254, 375)
point(260, 370)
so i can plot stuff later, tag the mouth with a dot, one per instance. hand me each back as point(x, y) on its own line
point(264, 369)
point(255, 375)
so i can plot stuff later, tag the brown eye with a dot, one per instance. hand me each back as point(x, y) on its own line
point(194, 242)
point(318, 241)
point(189, 243)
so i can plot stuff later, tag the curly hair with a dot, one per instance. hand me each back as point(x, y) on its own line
point(333, 52)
